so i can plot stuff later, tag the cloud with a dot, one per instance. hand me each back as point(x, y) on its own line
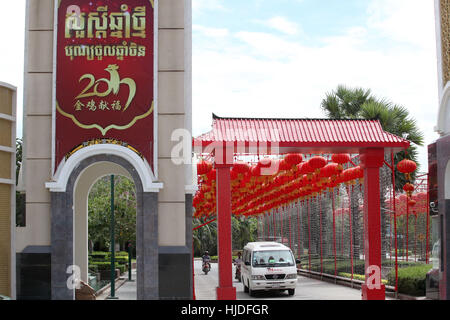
point(406, 21)
point(262, 74)
point(282, 25)
point(210, 32)
point(12, 53)
point(201, 6)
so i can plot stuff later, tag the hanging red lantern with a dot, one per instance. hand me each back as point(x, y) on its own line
point(241, 167)
point(340, 159)
point(293, 159)
point(329, 170)
point(284, 165)
point(211, 175)
point(408, 188)
point(317, 162)
point(203, 167)
point(407, 166)
point(304, 168)
point(255, 171)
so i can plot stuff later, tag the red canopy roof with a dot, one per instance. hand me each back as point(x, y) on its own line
point(299, 135)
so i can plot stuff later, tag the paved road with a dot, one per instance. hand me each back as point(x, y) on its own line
point(205, 289)
point(307, 288)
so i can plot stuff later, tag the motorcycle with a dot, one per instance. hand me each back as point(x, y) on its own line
point(206, 267)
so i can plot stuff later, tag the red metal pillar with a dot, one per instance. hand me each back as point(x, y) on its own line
point(334, 235)
point(299, 252)
point(309, 234)
point(319, 197)
point(407, 224)
point(350, 219)
point(395, 221)
point(289, 217)
point(371, 161)
point(225, 290)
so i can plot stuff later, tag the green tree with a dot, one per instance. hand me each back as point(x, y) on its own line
point(205, 237)
point(244, 231)
point(356, 103)
point(19, 147)
point(20, 197)
point(124, 212)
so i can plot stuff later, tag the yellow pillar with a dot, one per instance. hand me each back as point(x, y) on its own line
point(7, 188)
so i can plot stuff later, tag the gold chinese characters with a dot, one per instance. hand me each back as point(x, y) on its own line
point(113, 85)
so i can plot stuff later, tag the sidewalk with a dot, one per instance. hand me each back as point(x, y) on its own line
point(125, 290)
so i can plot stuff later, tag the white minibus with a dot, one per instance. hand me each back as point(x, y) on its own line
point(268, 266)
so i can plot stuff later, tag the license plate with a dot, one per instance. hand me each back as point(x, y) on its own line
point(275, 285)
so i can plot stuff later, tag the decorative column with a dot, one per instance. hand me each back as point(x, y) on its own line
point(223, 165)
point(371, 161)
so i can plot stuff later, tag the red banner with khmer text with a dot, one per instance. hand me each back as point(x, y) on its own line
point(104, 76)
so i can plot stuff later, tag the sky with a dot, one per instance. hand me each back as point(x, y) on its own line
point(260, 58)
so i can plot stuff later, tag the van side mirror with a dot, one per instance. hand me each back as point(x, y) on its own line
point(247, 263)
point(297, 261)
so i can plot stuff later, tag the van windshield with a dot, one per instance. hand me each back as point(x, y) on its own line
point(278, 258)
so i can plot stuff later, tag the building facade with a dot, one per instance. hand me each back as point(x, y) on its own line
point(55, 235)
point(442, 9)
point(7, 188)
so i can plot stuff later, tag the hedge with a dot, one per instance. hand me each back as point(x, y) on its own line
point(358, 277)
point(411, 280)
point(100, 256)
point(106, 266)
point(328, 265)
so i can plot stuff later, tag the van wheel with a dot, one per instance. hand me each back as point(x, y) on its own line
point(251, 292)
point(291, 292)
point(245, 287)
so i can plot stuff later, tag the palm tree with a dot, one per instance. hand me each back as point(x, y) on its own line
point(357, 103)
point(204, 238)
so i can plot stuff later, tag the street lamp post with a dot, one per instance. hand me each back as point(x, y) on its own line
point(113, 258)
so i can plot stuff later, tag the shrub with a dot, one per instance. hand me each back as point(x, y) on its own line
point(98, 254)
point(358, 277)
point(121, 254)
point(411, 280)
point(101, 256)
point(120, 259)
point(102, 265)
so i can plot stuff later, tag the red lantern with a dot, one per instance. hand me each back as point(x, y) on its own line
point(284, 165)
point(255, 171)
point(407, 166)
point(203, 167)
point(317, 162)
point(340, 159)
point(241, 167)
point(211, 175)
point(329, 170)
point(408, 187)
point(305, 168)
point(293, 159)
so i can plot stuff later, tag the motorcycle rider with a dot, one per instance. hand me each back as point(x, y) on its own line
point(237, 263)
point(206, 258)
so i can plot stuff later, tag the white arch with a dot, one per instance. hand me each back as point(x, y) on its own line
point(82, 187)
point(142, 167)
point(443, 126)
